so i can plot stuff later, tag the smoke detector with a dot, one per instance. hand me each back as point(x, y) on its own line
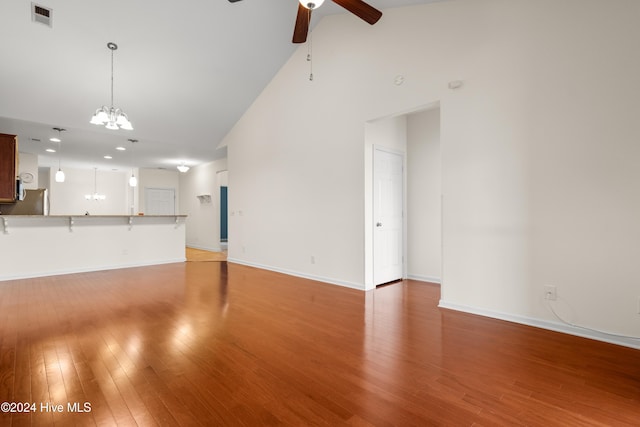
point(42, 14)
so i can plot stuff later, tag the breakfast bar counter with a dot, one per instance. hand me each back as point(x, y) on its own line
point(44, 245)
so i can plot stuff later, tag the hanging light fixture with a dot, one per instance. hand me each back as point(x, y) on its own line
point(182, 167)
point(59, 173)
point(95, 196)
point(111, 117)
point(133, 181)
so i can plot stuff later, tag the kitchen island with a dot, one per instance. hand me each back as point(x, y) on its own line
point(45, 245)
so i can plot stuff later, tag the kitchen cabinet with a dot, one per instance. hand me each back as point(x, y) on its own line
point(8, 167)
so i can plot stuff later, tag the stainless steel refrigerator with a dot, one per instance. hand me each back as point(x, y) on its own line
point(35, 202)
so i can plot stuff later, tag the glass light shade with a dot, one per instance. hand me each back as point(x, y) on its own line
point(122, 119)
point(112, 125)
point(133, 181)
point(59, 175)
point(100, 117)
point(311, 4)
point(183, 168)
point(126, 125)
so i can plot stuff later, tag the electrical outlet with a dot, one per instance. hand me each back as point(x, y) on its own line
point(550, 293)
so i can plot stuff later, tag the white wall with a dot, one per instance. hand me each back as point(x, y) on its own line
point(28, 163)
point(158, 178)
point(68, 197)
point(539, 153)
point(424, 244)
point(203, 218)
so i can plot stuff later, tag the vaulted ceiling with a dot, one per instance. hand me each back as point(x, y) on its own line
point(184, 72)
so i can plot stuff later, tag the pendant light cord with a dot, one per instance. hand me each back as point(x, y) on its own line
point(310, 48)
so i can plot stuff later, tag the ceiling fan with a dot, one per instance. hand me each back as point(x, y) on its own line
point(357, 7)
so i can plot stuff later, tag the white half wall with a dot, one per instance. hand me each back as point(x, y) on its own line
point(34, 246)
point(539, 153)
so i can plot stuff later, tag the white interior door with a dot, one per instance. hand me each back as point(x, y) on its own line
point(387, 216)
point(160, 201)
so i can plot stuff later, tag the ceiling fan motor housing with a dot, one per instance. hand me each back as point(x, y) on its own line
point(311, 4)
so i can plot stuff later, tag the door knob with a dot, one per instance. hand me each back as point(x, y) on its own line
point(378, 224)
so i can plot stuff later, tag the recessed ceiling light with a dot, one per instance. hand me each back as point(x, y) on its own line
point(108, 157)
point(55, 139)
point(50, 150)
point(120, 148)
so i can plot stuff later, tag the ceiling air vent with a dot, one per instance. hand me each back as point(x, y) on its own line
point(41, 14)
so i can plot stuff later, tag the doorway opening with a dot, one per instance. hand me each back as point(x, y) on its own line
point(224, 212)
point(222, 178)
point(414, 136)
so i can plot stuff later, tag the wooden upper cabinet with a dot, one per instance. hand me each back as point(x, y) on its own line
point(8, 167)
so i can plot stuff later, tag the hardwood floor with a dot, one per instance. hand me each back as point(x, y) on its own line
point(199, 255)
point(206, 343)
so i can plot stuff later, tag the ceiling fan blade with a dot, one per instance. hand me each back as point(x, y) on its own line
point(361, 9)
point(233, 1)
point(301, 28)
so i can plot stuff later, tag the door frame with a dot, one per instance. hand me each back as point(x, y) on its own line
point(369, 220)
point(372, 219)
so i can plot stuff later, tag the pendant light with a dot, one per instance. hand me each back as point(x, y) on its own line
point(133, 181)
point(59, 173)
point(182, 167)
point(111, 117)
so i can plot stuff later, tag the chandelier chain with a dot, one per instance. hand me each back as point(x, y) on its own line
point(310, 47)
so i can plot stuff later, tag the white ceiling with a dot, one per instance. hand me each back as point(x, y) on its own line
point(184, 72)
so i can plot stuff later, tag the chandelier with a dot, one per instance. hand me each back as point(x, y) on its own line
point(111, 117)
point(95, 196)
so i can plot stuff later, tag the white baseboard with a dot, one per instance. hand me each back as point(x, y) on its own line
point(298, 274)
point(544, 324)
point(424, 278)
point(89, 270)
